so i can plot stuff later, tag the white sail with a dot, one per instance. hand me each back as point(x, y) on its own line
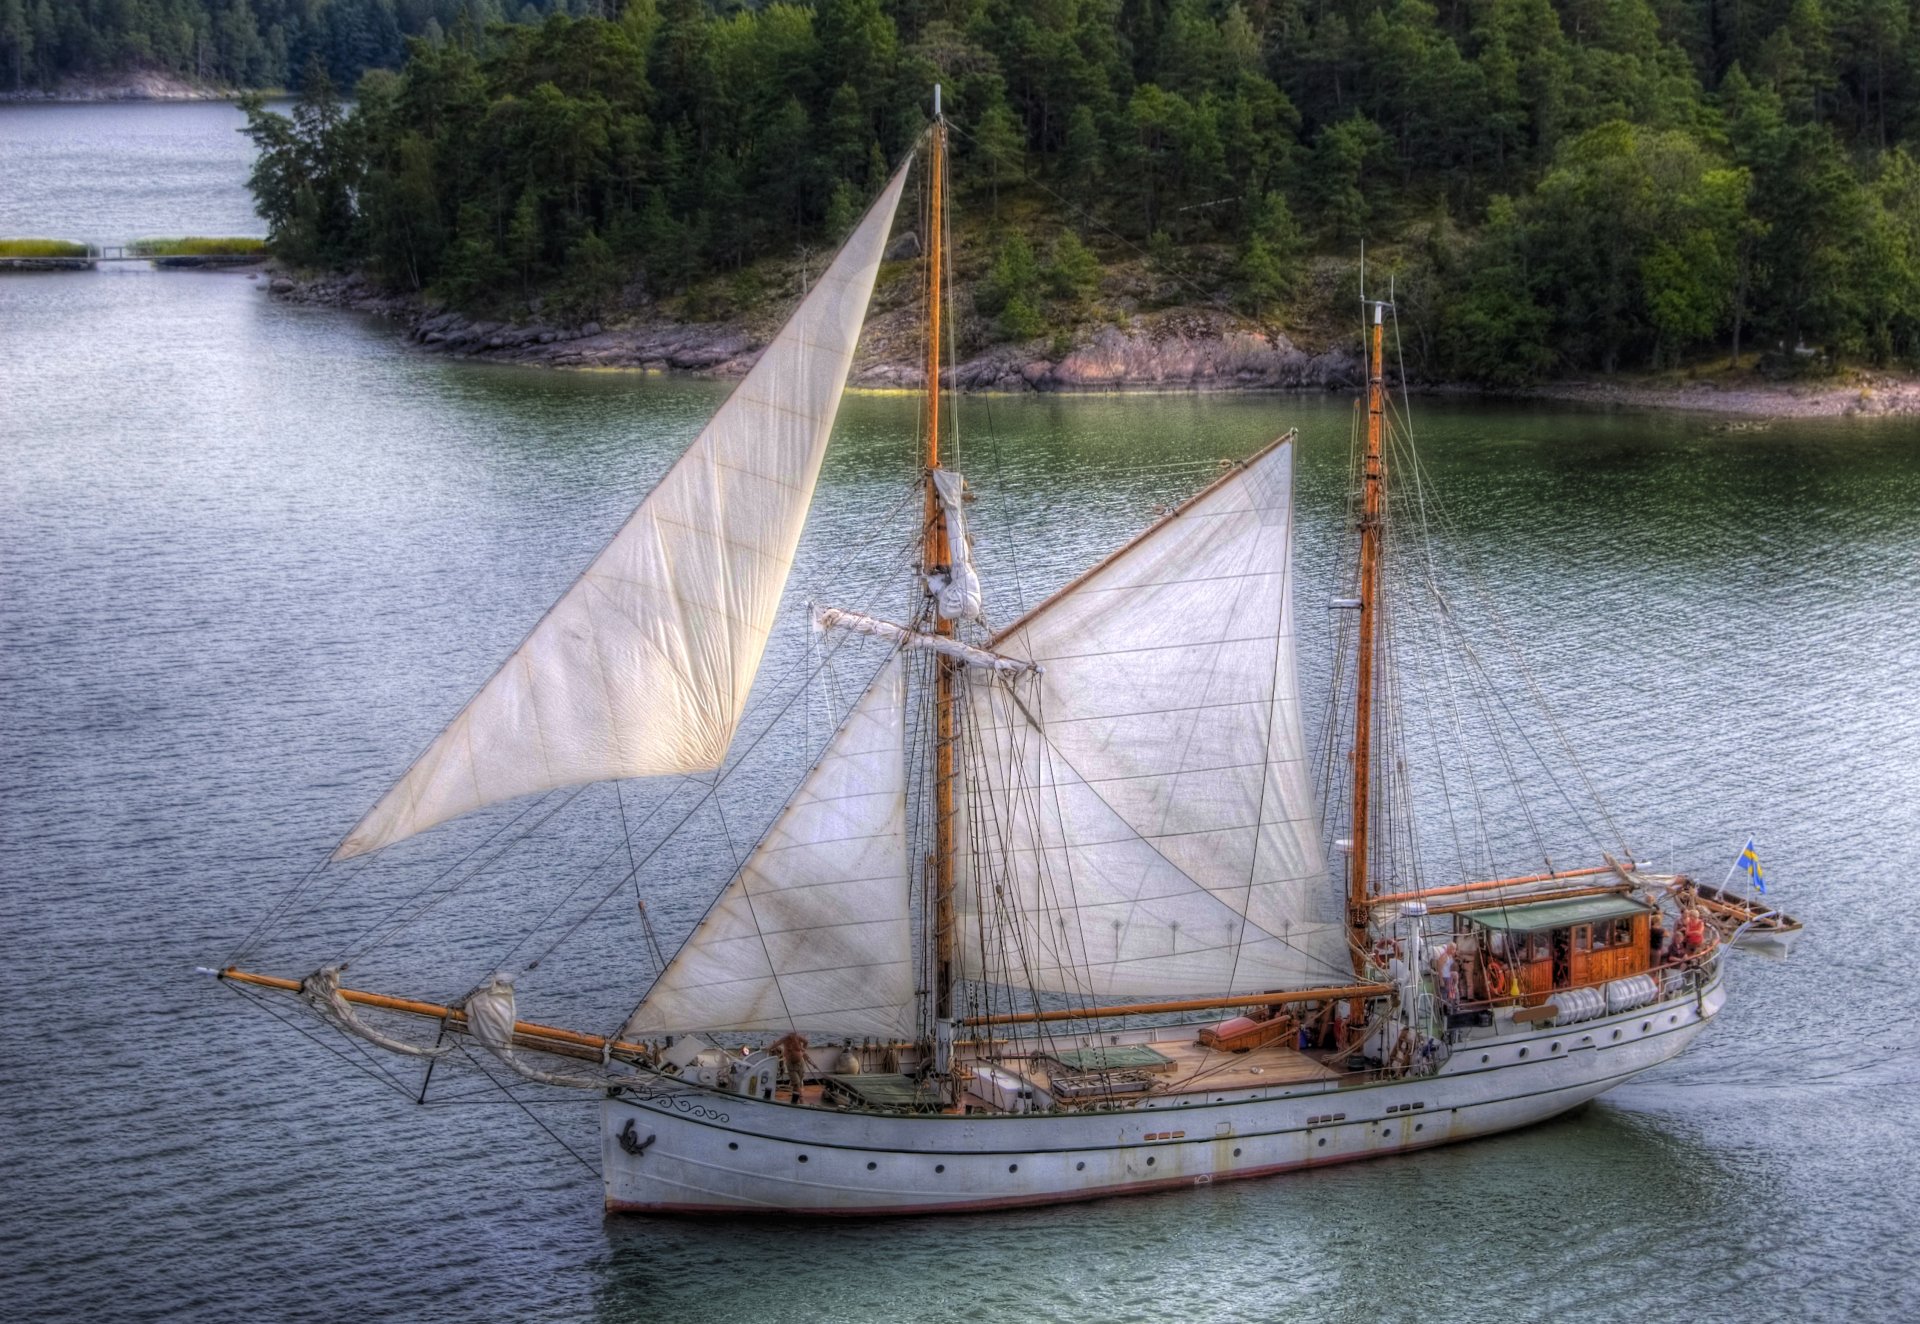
point(813, 933)
point(1141, 810)
point(643, 666)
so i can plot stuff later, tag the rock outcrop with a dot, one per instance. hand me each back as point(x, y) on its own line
point(1182, 350)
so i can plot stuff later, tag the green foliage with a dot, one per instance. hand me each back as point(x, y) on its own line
point(1011, 293)
point(1496, 330)
point(1343, 155)
point(307, 173)
point(196, 246)
point(1644, 181)
point(42, 248)
point(238, 43)
point(1074, 272)
point(1002, 148)
point(1269, 266)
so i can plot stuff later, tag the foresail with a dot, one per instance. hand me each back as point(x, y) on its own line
point(813, 933)
point(1141, 811)
point(643, 666)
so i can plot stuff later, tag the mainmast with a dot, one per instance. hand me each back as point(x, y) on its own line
point(937, 560)
point(1373, 480)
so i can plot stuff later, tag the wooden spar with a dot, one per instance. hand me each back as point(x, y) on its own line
point(1373, 477)
point(527, 1034)
point(1456, 889)
point(937, 560)
point(1345, 991)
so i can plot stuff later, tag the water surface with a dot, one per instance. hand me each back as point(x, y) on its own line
point(252, 557)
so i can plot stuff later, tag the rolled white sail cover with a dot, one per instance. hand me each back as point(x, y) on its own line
point(1143, 803)
point(957, 596)
point(813, 933)
point(643, 666)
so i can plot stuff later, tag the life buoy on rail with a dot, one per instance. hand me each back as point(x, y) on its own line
point(1496, 979)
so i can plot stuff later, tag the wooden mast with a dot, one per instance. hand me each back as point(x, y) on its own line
point(1373, 479)
point(937, 560)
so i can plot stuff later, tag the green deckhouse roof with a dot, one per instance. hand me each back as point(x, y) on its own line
point(1539, 915)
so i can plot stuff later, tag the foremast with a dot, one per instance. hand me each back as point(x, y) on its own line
point(936, 560)
point(1373, 482)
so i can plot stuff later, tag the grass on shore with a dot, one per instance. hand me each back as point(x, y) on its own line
point(197, 246)
point(41, 248)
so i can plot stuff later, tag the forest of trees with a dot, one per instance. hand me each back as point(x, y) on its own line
point(1559, 184)
point(238, 43)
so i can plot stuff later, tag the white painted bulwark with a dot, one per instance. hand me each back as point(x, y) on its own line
point(702, 1151)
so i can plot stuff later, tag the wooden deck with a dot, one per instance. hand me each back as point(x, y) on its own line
point(1197, 1070)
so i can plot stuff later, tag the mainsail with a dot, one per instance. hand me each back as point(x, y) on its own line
point(1141, 808)
point(643, 666)
point(813, 933)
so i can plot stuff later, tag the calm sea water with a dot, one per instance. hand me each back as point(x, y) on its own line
point(251, 558)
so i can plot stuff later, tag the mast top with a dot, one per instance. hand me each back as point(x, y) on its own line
point(936, 101)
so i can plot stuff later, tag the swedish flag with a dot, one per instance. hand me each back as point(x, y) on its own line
point(1749, 864)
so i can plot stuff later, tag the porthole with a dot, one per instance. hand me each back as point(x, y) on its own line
point(731, 1144)
point(1645, 1026)
point(1323, 1142)
point(1419, 1126)
point(1556, 1046)
point(872, 1166)
point(1616, 1034)
point(939, 1167)
point(1013, 1167)
point(803, 1158)
point(1236, 1153)
point(1485, 1058)
point(1674, 1019)
point(1388, 1133)
point(1150, 1160)
point(1523, 1052)
point(1080, 1167)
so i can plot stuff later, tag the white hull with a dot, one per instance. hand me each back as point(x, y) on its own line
point(708, 1152)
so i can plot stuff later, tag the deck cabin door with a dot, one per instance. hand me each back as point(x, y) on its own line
point(1582, 950)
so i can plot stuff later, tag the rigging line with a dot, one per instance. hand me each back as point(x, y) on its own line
point(710, 791)
point(531, 1115)
point(626, 834)
point(368, 1067)
point(753, 911)
point(400, 921)
point(432, 902)
point(1535, 690)
point(485, 843)
point(1047, 889)
point(660, 962)
point(273, 911)
point(587, 876)
point(1077, 970)
point(1266, 771)
point(1426, 540)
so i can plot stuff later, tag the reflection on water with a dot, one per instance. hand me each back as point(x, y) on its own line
point(1472, 1228)
point(253, 556)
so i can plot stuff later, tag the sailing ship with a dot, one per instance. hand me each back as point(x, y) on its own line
point(1059, 912)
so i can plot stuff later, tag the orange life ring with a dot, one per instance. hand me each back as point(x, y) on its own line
point(1496, 979)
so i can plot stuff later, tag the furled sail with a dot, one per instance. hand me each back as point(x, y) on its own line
point(643, 665)
point(813, 933)
point(1140, 809)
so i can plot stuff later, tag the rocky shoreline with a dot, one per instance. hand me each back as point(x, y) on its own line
point(1183, 350)
point(132, 85)
point(1188, 351)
